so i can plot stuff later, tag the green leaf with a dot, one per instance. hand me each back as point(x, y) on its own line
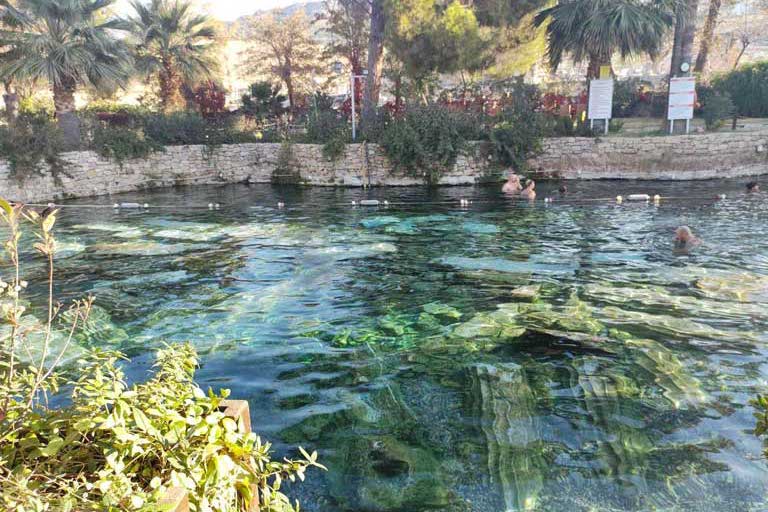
point(53, 447)
point(6, 206)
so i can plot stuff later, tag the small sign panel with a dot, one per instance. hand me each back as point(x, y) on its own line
point(682, 96)
point(605, 72)
point(600, 99)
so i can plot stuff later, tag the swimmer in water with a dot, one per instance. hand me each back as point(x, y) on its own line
point(563, 190)
point(685, 239)
point(512, 186)
point(753, 187)
point(529, 192)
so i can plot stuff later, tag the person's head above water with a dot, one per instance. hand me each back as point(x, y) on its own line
point(683, 235)
point(513, 178)
point(563, 189)
point(753, 186)
point(530, 184)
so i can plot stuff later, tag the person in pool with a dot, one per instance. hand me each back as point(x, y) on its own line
point(563, 189)
point(753, 187)
point(528, 192)
point(512, 186)
point(685, 239)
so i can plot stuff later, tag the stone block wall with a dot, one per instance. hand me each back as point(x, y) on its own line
point(671, 158)
point(692, 157)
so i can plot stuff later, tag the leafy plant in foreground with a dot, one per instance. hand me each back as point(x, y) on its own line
point(114, 447)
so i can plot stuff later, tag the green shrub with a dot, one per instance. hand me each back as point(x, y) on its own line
point(186, 128)
point(326, 127)
point(565, 126)
point(121, 144)
point(426, 141)
point(748, 88)
point(516, 137)
point(113, 446)
point(30, 141)
point(716, 109)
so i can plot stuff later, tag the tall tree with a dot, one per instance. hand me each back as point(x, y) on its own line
point(347, 22)
point(67, 43)
point(430, 39)
point(287, 49)
point(685, 32)
point(707, 35)
point(595, 30)
point(377, 27)
point(174, 45)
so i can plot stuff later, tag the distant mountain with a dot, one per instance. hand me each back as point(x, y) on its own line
point(311, 9)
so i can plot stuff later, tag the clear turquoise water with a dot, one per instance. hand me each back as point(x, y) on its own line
point(399, 343)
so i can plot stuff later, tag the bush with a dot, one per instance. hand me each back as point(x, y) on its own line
point(716, 109)
point(29, 141)
point(426, 141)
point(184, 128)
point(328, 128)
point(747, 87)
point(263, 101)
point(517, 136)
point(122, 144)
point(114, 447)
point(566, 126)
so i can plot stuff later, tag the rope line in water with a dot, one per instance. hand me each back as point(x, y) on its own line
point(368, 203)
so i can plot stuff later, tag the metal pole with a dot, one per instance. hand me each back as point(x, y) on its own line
point(687, 126)
point(354, 128)
point(607, 123)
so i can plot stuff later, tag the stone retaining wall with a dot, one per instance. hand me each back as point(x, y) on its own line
point(671, 158)
point(692, 157)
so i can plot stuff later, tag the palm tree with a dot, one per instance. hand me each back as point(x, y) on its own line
point(595, 30)
point(174, 45)
point(67, 43)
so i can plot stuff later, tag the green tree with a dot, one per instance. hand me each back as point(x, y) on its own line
point(595, 30)
point(67, 43)
point(263, 101)
point(430, 40)
point(174, 45)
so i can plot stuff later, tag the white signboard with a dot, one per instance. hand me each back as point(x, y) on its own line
point(682, 96)
point(600, 99)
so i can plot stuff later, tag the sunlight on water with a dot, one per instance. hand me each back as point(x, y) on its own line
point(504, 357)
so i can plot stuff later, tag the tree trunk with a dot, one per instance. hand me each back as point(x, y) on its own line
point(744, 45)
point(707, 35)
point(289, 86)
point(682, 49)
point(11, 99)
point(685, 31)
point(171, 98)
point(375, 61)
point(64, 104)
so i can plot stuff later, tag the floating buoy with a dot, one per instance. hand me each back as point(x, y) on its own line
point(638, 197)
point(116, 205)
point(354, 203)
point(146, 205)
point(281, 204)
point(619, 199)
point(210, 206)
point(386, 203)
point(657, 198)
point(129, 205)
point(721, 196)
point(369, 202)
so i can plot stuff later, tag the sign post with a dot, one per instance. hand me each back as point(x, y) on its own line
point(600, 104)
point(682, 96)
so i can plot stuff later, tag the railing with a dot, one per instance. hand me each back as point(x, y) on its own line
point(177, 498)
